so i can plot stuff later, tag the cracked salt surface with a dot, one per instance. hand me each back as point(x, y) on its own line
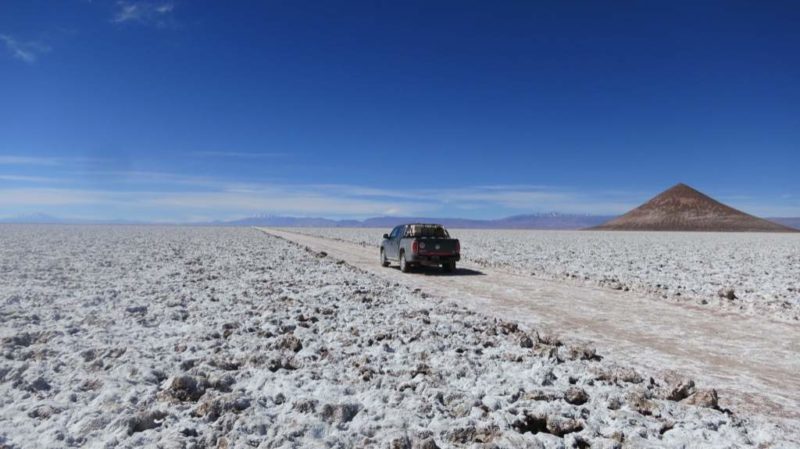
point(750, 273)
point(201, 337)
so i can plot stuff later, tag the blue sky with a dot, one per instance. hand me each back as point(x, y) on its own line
point(194, 110)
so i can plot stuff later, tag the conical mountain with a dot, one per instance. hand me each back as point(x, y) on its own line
point(682, 208)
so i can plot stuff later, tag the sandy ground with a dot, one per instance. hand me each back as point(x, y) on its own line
point(753, 361)
point(761, 270)
point(198, 337)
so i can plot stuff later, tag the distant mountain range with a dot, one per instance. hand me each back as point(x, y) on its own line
point(551, 220)
point(792, 222)
point(533, 221)
point(32, 218)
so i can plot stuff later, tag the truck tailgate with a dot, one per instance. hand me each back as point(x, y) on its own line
point(437, 246)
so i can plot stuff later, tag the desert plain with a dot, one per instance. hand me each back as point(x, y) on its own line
point(181, 337)
point(750, 273)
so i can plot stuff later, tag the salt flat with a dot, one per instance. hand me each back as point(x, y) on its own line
point(762, 269)
point(201, 337)
point(751, 359)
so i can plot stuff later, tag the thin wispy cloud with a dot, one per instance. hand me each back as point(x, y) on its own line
point(146, 178)
point(168, 196)
point(28, 160)
point(27, 51)
point(179, 206)
point(146, 13)
point(15, 159)
point(512, 198)
point(285, 201)
point(58, 188)
point(177, 195)
point(237, 154)
point(24, 178)
point(44, 197)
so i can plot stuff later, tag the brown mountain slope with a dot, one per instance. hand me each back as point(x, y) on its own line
point(682, 208)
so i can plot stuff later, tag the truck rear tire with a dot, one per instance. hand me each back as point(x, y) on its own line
point(449, 267)
point(405, 267)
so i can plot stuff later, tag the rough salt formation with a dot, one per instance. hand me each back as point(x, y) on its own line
point(199, 337)
point(747, 273)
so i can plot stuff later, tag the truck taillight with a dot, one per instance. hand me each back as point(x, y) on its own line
point(458, 246)
point(415, 247)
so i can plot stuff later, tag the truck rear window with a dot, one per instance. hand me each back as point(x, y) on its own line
point(426, 231)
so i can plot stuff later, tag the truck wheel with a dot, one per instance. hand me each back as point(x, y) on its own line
point(405, 267)
point(384, 261)
point(449, 267)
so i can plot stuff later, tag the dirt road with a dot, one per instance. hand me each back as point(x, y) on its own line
point(752, 362)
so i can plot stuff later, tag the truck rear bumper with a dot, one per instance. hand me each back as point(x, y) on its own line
point(434, 259)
